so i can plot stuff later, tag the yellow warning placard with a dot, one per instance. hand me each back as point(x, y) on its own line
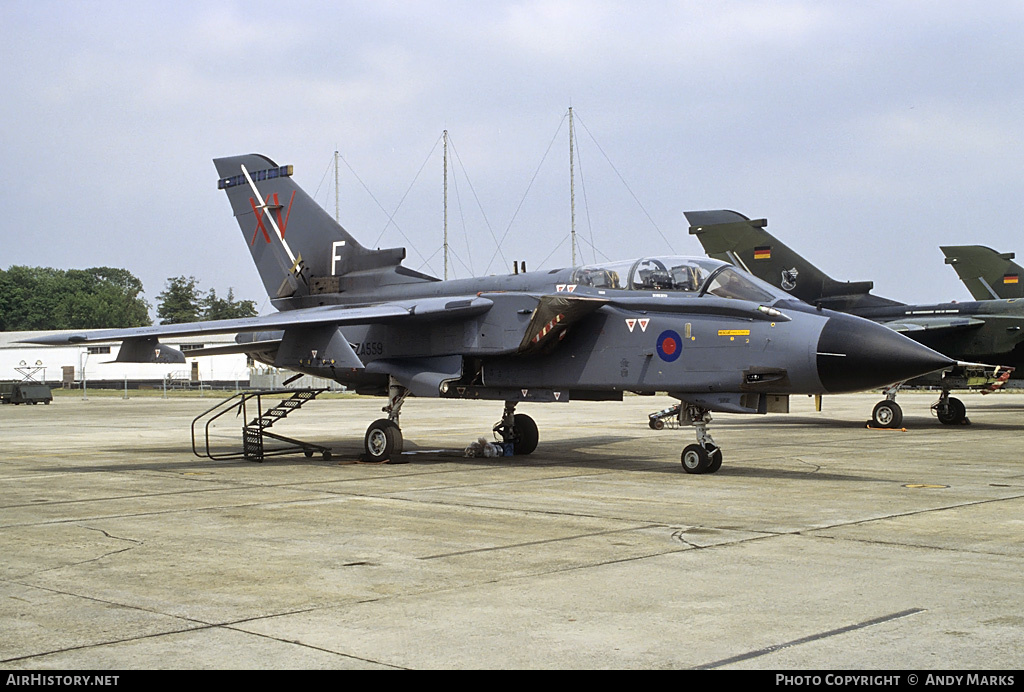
point(733, 332)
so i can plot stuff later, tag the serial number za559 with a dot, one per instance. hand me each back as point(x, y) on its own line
point(369, 348)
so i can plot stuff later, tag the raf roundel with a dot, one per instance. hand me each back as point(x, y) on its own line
point(670, 345)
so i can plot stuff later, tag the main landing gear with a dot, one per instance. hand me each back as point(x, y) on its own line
point(384, 436)
point(384, 442)
point(517, 428)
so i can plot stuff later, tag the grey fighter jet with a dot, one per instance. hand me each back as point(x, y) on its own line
point(710, 336)
point(972, 333)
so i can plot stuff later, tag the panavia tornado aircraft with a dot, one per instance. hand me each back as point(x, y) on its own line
point(987, 274)
point(707, 334)
point(972, 333)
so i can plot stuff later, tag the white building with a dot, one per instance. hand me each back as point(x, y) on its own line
point(68, 365)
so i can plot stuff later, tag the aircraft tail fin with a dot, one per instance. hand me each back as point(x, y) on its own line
point(732, 237)
point(299, 250)
point(987, 274)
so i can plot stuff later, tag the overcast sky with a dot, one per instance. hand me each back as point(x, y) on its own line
point(867, 133)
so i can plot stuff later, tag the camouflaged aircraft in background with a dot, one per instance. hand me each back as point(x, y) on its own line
point(972, 333)
point(698, 329)
point(987, 274)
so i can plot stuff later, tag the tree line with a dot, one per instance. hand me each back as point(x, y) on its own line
point(42, 298)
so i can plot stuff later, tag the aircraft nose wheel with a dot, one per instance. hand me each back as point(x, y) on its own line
point(951, 412)
point(698, 459)
point(887, 414)
point(705, 456)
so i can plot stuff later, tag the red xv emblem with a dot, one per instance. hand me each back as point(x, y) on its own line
point(273, 205)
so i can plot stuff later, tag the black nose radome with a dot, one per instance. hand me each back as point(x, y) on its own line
point(856, 354)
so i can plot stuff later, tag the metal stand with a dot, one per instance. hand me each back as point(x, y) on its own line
point(255, 433)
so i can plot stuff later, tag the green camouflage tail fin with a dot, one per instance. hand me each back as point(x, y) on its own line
point(732, 237)
point(987, 274)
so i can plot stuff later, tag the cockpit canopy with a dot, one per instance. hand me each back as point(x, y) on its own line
point(696, 275)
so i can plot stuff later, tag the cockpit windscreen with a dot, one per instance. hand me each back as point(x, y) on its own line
point(694, 275)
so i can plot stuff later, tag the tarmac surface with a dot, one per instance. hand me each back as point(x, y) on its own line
point(820, 544)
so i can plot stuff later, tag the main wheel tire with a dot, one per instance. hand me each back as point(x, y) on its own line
point(383, 439)
point(696, 459)
point(525, 435)
point(953, 413)
point(887, 414)
point(399, 438)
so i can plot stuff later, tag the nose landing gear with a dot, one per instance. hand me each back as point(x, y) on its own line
point(705, 456)
point(887, 414)
point(950, 410)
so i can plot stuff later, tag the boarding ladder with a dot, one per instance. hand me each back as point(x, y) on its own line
point(255, 433)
